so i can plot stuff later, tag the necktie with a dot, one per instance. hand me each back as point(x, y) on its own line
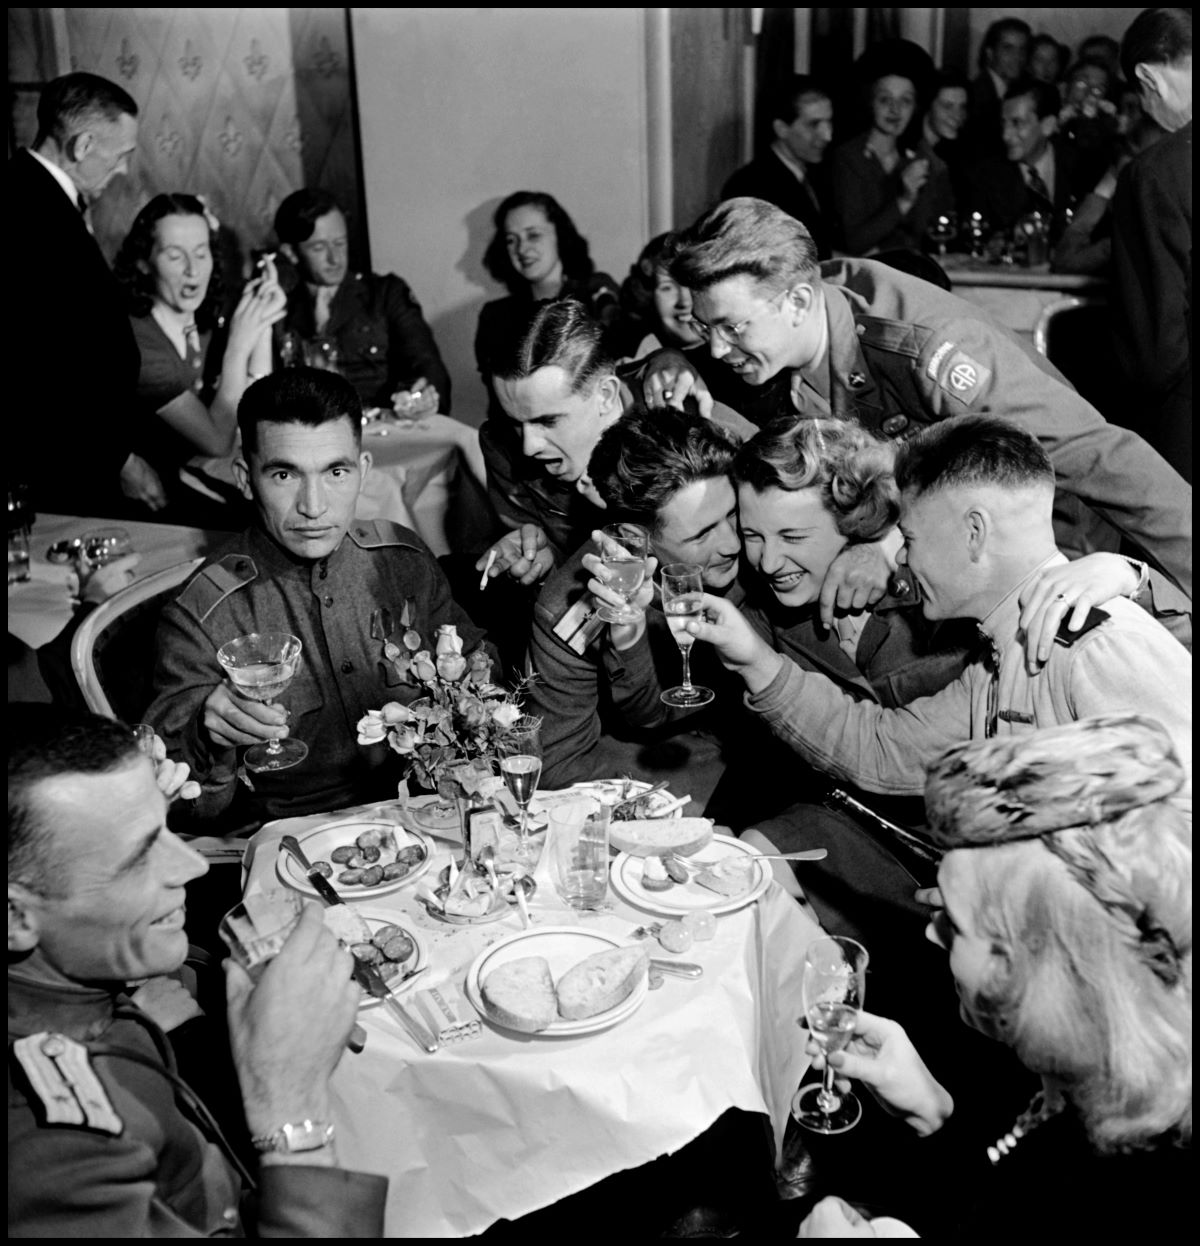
point(1037, 187)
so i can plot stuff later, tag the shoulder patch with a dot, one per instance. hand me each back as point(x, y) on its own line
point(962, 377)
point(935, 360)
point(62, 1079)
point(382, 533)
point(212, 584)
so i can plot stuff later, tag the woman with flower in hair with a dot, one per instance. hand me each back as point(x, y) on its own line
point(1068, 919)
point(194, 367)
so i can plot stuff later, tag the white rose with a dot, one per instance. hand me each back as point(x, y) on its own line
point(371, 728)
point(448, 639)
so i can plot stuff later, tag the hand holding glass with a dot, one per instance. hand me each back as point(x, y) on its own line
point(623, 550)
point(682, 591)
point(260, 666)
point(521, 767)
point(833, 987)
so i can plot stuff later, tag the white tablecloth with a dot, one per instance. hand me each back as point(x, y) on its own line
point(420, 471)
point(39, 609)
point(503, 1124)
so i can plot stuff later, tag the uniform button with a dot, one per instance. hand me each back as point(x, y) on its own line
point(329, 601)
point(229, 1215)
point(895, 424)
point(347, 667)
point(241, 565)
point(374, 350)
point(857, 380)
point(860, 329)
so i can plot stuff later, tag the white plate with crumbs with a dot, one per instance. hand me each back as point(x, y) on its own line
point(563, 948)
point(690, 897)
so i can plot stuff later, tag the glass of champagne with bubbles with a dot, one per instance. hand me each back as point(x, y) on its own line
point(521, 767)
point(833, 986)
point(682, 592)
point(260, 666)
point(623, 550)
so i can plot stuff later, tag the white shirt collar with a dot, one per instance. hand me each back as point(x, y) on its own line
point(59, 176)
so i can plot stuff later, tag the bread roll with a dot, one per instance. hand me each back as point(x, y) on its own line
point(651, 837)
point(600, 982)
point(520, 995)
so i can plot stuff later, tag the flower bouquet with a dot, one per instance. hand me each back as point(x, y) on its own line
point(451, 735)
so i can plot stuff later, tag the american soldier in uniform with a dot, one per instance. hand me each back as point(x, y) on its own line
point(307, 567)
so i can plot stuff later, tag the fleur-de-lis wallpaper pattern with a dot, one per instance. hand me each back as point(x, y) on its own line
point(240, 105)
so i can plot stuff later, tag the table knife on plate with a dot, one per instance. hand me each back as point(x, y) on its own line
point(368, 977)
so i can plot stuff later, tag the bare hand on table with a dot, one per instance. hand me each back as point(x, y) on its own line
point(524, 554)
point(1072, 588)
point(882, 1057)
point(101, 583)
point(669, 382)
point(288, 1031)
point(231, 720)
point(623, 635)
point(419, 399)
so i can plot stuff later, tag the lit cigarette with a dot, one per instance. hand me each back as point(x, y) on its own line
point(483, 579)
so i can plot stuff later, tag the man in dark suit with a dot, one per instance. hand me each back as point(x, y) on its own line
point(1152, 237)
point(71, 348)
point(1037, 173)
point(791, 174)
point(1003, 58)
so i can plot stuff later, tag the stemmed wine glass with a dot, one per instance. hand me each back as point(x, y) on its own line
point(833, 986)
point(623, 550)
point(942, 229)
point(261, 665)
point(682, 590)
point(104, 545)
point(521, 768)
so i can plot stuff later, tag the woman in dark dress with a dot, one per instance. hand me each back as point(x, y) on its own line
point(538, 254)
point(195, 366)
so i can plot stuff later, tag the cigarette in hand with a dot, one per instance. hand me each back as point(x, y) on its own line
point(483, 579)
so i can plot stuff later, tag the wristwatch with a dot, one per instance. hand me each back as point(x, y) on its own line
point(295, 1136)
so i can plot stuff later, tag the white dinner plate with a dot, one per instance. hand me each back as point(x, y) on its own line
point(319, 843)
point(377, 919)
point(689, 897)
point(563, 947)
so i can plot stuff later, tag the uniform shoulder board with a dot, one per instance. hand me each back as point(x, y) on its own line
point(63, 1082)
point(1065, 637)
point(379, 533)
point(896, 336)
point(212, 584)
point(956, 372)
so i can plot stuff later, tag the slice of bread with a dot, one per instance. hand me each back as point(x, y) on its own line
point(651, 837)
point(600, 982)
point(520, 995)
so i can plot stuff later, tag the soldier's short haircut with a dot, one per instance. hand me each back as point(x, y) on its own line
point(308, 396)
point(561, 334)
point(68, 105)
point(46, 742)
point(850, 468)
point(649, 454)
point(745, 237)
point(972, 450)
point(787, 99)
point(298, 214)
point(1156, 37)
point(1045, 95)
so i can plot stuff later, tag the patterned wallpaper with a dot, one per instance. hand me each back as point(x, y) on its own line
point(240, 105)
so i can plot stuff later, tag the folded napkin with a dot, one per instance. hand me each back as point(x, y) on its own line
point(447, 1013)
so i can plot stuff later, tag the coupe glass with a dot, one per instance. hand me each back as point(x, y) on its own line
point(682, 590)
point(833, 986)
point(260, 666)
point(520, 751)
point(623, 550)
point(103, 545)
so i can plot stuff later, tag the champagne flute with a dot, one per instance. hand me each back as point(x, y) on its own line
point(623, 550)
point(521, 768)
point(833, 986)
point(682, 590)
point(942, 229)
point(260, 666)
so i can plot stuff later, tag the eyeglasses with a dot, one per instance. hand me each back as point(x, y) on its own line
point(731, 334)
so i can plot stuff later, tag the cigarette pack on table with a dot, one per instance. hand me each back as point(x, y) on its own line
point(448, 1014)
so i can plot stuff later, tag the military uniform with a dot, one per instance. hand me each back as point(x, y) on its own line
point(105, 1140)
point(1128, 664)
point(383, 341)
point(250, 585)
point(903, 354)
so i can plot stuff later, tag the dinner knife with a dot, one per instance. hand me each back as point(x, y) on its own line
point(368, 977)
point(680, 968)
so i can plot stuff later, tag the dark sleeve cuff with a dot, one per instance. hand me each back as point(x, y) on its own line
point(297, 1201)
